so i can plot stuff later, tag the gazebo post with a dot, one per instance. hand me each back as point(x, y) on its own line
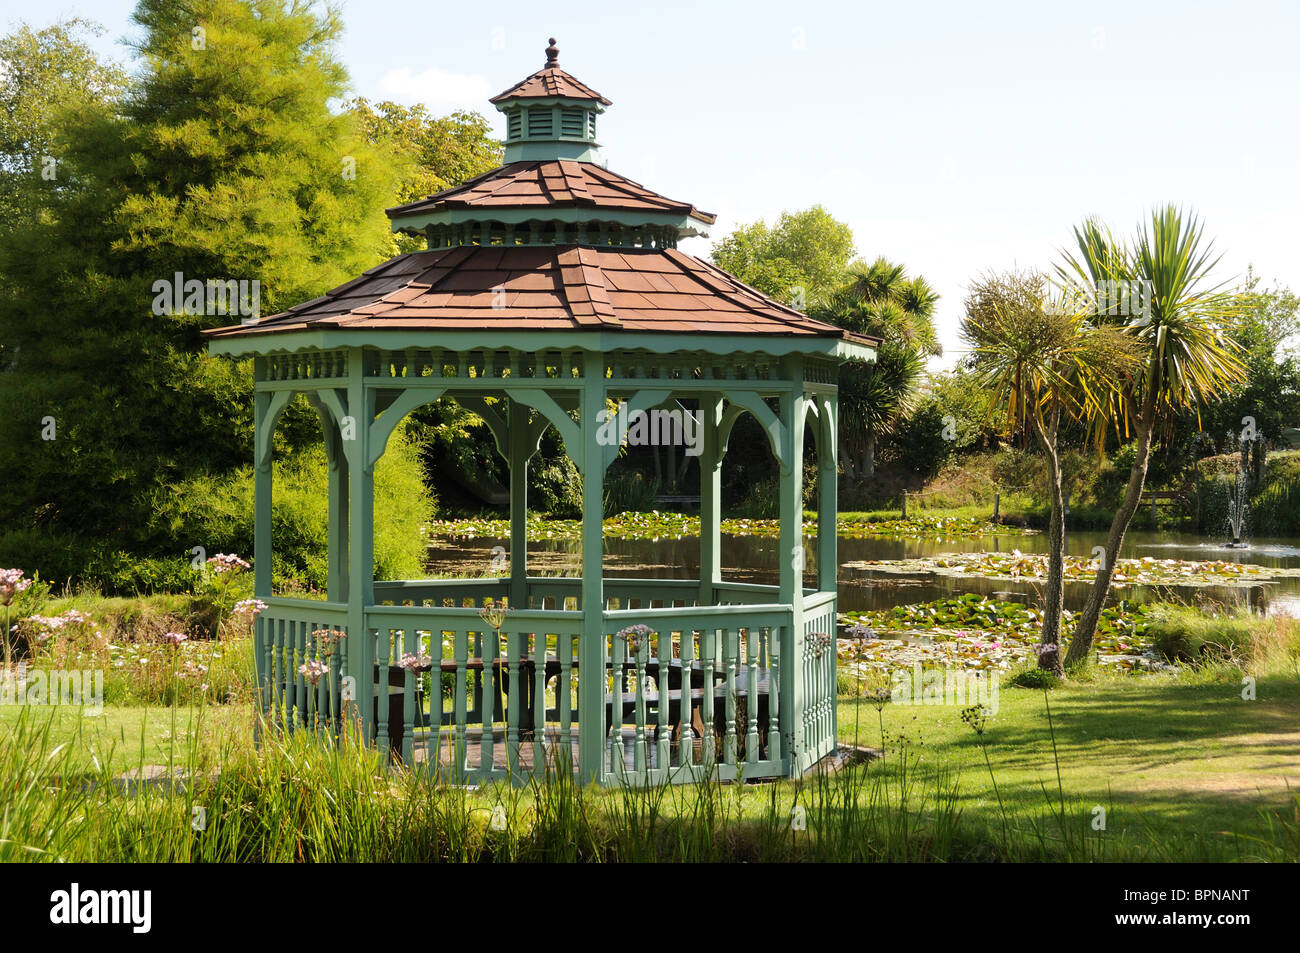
point(361, 542)
point(710, 498)
point(518, 463)
point(591, 644)
point(793, 412)
point(827, 490)
point(338, 519)
point(262, 444)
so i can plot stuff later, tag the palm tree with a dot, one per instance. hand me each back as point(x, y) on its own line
point(880, 300)
point(1181, 331)
point(1040, 361)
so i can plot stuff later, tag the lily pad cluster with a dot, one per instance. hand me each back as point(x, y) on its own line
point(1144, 571)
point(657, 525)
point(975, 632)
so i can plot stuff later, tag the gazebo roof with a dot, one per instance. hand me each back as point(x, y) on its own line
point(550, 80)
point(556, 183)
point(551, 242)
point(547, 288)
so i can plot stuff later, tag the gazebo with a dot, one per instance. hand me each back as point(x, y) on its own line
point(553, 294)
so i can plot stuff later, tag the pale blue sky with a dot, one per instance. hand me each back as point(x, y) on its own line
point(953, 137)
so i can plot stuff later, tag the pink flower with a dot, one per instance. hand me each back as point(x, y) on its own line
point(416, 663)
point(313, 670)
point(11, 583)
point(175, 638)
point(249, 609)
point(223, 562)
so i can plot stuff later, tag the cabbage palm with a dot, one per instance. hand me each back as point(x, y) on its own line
point(1041, 361)
point(1181, 331)
point(880, 300)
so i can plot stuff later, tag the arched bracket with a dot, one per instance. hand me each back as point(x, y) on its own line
point(545, 405)
point(642, 401)
point(266, 426)
point(827, 433)
point(382, 427)
point(496, 423)
point(329, 407)
point(752, 402)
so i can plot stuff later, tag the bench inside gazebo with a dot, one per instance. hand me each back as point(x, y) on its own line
point(552, 295)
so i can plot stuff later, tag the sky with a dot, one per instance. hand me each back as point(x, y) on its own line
point(955, 138)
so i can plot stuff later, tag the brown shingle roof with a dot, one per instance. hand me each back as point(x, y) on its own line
point(543, 287)
point(550, 80)
point(551, 183)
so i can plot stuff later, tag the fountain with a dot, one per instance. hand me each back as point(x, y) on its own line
point(1239, 492)
point(1238, 508)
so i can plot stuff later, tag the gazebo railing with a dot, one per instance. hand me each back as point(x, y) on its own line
point(500, 705)
point(284, 642)
point(731, 691)
point(713, 724)
point(816, 672)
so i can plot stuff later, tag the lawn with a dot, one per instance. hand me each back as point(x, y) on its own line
point(1183, 766)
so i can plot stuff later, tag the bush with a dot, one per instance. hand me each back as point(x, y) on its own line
point(1037, 678)
point(630, 492)
point(218, 515)
point(1189, 634)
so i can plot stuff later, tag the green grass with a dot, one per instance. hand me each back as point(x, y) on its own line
point(1184, 768)
point(1183, 765)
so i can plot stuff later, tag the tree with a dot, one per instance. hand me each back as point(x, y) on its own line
point(223, 161)
point(1268, 329)
point(1180, 325)
point(802, 261)
point(439, 152)
point(46, 75)
point(1041, 361)
point(880, 300)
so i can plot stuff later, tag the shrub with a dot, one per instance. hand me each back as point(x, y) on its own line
point(218, 515)
point(630, 492)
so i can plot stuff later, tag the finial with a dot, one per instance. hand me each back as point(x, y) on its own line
point(552, 55)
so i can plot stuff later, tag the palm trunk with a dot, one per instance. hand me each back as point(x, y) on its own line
point(1049, 651)
point(869, 457)
point(1081, 643)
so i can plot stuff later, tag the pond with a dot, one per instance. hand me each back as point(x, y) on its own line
point(756, 559)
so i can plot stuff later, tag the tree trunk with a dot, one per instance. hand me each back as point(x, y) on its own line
point(869, 457)
point(1081, 643)
point(1049, 649)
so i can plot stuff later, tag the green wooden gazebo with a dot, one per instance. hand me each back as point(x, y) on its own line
point(552, 290)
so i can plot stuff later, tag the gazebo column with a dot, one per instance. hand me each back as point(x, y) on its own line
point(338, 527)
point(591, 644)
point(262, 443)
point(710, 498)
point(827, 490)
point(794, 409)
point(360, 484)
point(519, 455)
